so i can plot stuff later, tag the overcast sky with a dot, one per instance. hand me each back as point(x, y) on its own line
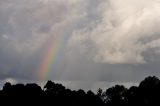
point(103, 40)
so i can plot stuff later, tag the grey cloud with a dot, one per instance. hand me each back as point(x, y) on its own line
point(123, 33)
point(26, 28)
point(105, 40)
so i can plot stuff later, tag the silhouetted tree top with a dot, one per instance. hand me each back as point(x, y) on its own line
point(99, 92)
point(146, 94)
point(149, 82)
point(7, 87)
point(49, 85)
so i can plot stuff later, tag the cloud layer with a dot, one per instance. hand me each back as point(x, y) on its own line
point(125, 30)
point(105, 40)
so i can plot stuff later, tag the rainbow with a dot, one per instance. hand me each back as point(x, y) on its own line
point(50, 57)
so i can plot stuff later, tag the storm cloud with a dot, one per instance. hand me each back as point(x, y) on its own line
point(107, 40)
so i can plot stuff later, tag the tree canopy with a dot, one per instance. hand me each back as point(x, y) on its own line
point(146, 94)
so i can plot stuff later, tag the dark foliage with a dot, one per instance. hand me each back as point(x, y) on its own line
point(146, 94)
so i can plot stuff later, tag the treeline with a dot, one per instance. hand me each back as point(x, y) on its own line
point(54, 94)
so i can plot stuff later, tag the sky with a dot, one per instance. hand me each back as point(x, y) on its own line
point(96, 40)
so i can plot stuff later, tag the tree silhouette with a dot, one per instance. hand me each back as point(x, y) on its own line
point(131, 97)
point(115, 95)
point(146, 94)
point(100, 92)
point(7, 88)
point(149, 91)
